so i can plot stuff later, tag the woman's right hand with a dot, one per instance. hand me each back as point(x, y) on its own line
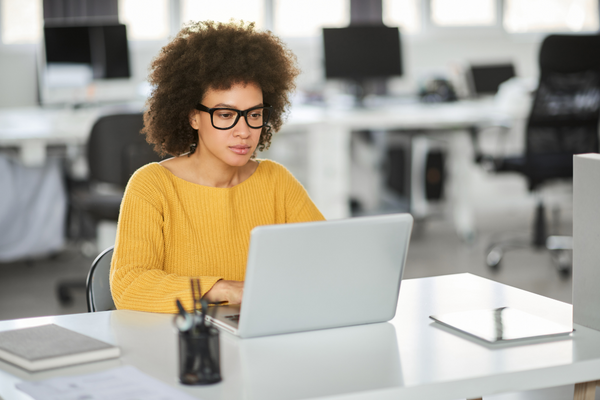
point(229, 291)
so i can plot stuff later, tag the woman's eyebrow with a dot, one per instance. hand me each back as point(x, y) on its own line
point(230, 106)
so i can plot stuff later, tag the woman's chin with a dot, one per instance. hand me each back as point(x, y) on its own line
point(238, 161)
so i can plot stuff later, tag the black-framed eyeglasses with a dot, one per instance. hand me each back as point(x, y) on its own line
point(227, 118)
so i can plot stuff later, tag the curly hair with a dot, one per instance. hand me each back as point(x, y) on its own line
point(210, 55)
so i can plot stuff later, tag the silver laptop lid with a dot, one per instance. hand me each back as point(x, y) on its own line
point(328, 274)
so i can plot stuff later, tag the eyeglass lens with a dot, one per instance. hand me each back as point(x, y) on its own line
point(225, 119)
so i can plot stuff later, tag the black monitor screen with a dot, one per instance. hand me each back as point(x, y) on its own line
point(362, 52)
point(487, 78)
point(104, 47)
point(117, 51)
point(67, 45)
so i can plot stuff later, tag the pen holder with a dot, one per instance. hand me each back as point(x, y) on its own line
point(199, 357)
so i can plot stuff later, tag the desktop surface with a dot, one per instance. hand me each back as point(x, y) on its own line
point(409, 357)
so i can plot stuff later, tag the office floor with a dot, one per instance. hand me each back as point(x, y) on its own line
point(436, 250)
point(28, 288)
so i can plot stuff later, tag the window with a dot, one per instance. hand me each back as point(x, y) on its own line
point(145, 19)
point(403, 13)
point(302, 18)
point(224, 10)
point(550, 15)
point(463, 12)
point(21, 21)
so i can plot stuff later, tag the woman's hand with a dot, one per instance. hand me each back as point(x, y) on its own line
point(230, 291)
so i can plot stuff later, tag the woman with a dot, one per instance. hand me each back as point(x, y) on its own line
point(219, 91)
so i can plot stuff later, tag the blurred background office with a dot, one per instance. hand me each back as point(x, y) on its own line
point(410, 119)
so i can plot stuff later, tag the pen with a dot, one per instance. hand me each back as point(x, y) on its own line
point(204, 310)
point(198, 303)
point(183, 321)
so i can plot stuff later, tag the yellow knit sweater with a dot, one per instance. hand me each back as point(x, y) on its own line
point(171, 229)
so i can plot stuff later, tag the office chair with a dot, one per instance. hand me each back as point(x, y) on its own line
point(115, 150)
point(563, 121)
point(97, 286)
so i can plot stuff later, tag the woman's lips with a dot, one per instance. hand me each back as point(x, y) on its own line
point(240, 149)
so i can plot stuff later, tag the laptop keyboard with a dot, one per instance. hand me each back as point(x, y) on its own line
point(233, 318)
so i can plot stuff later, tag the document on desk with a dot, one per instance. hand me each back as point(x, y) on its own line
point(123, 383)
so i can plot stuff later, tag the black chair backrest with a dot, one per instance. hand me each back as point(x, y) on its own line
point(566, 110)
point(116, 149)
point(97, 285)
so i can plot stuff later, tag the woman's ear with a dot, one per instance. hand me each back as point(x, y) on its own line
point(194, 118)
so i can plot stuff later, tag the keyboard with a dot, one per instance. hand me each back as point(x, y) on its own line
point(233, 318)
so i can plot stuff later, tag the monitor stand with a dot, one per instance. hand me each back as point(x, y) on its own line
point(361, 88)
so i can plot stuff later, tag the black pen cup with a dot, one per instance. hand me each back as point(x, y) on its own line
point(199, 356)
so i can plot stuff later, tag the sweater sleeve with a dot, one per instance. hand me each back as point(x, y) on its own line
point(137, 278)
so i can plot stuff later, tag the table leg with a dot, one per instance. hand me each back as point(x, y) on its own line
point(461, 169)
point(585, 391)
point(329, 170)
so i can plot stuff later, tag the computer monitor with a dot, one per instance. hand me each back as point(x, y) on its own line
point(486, 79)
point(84, 63)
point(103, 47)
point(362, 53)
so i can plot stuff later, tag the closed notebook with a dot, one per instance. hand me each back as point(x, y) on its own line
point(51, 346)
point(502, 325)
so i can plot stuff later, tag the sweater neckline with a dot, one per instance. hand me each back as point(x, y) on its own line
point(260, 162)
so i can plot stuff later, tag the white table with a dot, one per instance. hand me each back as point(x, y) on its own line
point(409, 358)
point(33, 129)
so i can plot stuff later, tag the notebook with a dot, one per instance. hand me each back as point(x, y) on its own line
point(318, 275)
point(51, 346)
point(502, 325)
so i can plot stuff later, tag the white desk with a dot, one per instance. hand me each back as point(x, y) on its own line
point(326, 170)
point(409, 358)
point(33, 129)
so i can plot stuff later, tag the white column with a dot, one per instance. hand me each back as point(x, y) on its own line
point(586, 240)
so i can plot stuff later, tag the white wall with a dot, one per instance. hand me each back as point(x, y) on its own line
point(440, 51)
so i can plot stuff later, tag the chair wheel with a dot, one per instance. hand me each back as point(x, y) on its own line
point(564, 272)
point(494, 258)
point(564, 262)
point(64, 297)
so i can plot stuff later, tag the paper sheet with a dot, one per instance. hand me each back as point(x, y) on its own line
point(123, 383)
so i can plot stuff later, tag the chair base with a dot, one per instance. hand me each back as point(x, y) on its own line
point(64, 290)
point(560, 248)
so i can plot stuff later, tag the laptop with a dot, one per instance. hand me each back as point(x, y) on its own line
point(319, 275)
point(485, 80)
